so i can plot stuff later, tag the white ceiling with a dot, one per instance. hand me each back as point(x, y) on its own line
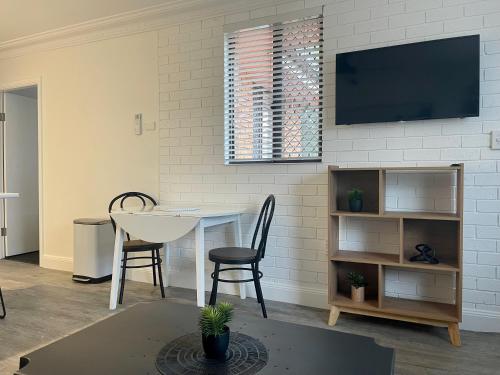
point(20, 18)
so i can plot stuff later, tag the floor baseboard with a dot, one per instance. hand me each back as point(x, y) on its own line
point(480, 320)
point(56, 262)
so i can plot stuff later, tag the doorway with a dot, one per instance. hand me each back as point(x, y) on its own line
point(19, 216)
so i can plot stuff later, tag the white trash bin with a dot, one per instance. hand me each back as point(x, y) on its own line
point(93, 250)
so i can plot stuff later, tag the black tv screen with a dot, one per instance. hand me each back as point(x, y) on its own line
point(426, 80)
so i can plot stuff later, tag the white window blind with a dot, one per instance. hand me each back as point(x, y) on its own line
point(273, 92)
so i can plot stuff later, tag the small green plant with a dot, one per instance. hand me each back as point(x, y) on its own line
point(213, 319)
point(357, 280)
point(355, 195)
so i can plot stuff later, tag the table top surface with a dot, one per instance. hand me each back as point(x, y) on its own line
point(183, 210)
point(129, 342)
point(168, 223)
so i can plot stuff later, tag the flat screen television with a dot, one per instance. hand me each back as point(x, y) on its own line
point(426, 80)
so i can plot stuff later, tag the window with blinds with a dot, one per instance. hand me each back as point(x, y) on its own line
point(273, 92)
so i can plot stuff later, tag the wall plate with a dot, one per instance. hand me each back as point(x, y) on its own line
point(495, 140)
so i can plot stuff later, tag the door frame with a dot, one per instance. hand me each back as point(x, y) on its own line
point(17, 85)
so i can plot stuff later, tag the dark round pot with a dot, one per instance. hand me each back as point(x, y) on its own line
point(215, 347)
point(356, 205)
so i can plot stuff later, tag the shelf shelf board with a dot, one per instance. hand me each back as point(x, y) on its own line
point(361, 169)
point(437, 168)
point(344, 301)
point(442, 266)
point(355, 214)
point(369, 257)
point(401, 215)
point(422, 309)
point(365, 257)
point(401, 307)
point(421, 215)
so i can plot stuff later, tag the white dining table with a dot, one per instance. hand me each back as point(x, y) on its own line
point(165, 224)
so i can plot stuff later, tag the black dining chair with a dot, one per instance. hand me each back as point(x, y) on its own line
point(3, 305)
point(240, 256)
point(137, 246)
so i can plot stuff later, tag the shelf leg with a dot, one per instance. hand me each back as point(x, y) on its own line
point(334, 315)
point(454, 333)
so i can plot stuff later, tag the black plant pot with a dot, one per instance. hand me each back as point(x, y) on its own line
point(356, 205)
point(215, 347)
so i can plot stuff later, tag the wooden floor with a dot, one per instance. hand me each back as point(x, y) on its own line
point(45, 305)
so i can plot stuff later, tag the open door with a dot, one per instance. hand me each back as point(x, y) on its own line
point(20, 171)
point(2, 205)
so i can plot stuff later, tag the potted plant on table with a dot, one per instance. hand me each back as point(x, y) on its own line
point(214, 330)
point(355, 200)
point(358, 284)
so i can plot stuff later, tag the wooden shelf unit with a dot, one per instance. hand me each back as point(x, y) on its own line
point(443, 230)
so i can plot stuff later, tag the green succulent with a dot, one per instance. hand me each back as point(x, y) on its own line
point(355, 195)
point(213, 319)
point(357, 280)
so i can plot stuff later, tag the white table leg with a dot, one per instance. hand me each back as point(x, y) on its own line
point(200, 263)
point(166, 263)
point(237, 236)
point(116, 271)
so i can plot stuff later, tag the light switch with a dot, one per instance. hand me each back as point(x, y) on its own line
point(495, 140)
point(138, 124)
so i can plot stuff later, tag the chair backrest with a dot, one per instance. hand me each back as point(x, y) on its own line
point(263, 225)
point(143, 198)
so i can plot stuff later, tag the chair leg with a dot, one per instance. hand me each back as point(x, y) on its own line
point(124, 270)
point(160, 277)
point(3, 305)
point(213, 295)
point(253, 269)
point(258, 290)
point(153, 259)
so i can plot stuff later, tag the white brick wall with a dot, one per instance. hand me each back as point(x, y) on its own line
point(192, 169)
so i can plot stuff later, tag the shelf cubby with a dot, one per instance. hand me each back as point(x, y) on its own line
point(441, 231)
point(365, 180)
point(441, 235)
point(343, 288)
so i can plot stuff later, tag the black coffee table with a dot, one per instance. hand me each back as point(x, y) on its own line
point(129, 343)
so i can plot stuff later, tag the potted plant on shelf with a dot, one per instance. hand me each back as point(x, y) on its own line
point(358, 284)
point(214, 330)
point(355, 200)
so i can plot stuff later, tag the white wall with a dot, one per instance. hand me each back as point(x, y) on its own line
point(191, 147)
point(112, 76)
point(89, 95)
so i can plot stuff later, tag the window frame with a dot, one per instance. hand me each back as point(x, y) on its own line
point(277, 123)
